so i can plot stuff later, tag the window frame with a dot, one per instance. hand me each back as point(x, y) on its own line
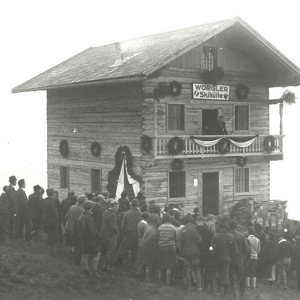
point(215, 57)
point(235, 178)
point(167, 117)
point(234, 108)
point(169, 186)
point(100, 180)
point(67, 179)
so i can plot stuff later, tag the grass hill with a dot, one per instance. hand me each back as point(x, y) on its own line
point(28, 271)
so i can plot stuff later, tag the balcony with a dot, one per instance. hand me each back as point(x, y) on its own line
point(192, 150)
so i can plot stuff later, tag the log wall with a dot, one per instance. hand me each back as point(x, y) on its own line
point(110, 115)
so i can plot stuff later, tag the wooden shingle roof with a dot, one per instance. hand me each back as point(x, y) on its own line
point(142, 56)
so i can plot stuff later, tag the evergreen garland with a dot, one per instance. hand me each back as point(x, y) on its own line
point(95, 149)
point(269, 143)
point(175, 145)
point(177, 165)
point(242, 91)
point(223, 146)
point(64, 148)
point(146, 144)
point(214, 76)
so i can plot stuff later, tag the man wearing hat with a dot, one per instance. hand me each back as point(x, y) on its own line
point(11, 198)
point(22, 213)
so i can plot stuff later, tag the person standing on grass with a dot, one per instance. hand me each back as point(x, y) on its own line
point(129, 229)
point(141, 229)
point(50, 219)
point(4, 213)
point(22, 213)
point(190, 244)
point(74, 212)
point(284, 258)
point(66, 204)
point(11, 197)
point(251, 272)
point(267, 258)
point(109, 233)
point(91, 241)
point(166, 241)
point(149, 245)
point(236, 269)
point(295, 263)
point(35, 203)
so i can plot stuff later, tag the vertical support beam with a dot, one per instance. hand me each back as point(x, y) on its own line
point(281, 126)
point(155, 127)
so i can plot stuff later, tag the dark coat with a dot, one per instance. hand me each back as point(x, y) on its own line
point(206, 236)
point(91, 237)
point(50, 217)
point(21, 207)
point(296, 256)
point(267, 258)
point(35, 204)
point(190, 242)
point(97, 213)
point(131, 219)
point(284, 249)
point(11, 196)
point(242, 247)
point(109, 224)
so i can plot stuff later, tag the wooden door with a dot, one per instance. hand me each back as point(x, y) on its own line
point(210, 197)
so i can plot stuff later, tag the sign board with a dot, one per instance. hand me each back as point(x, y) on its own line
point(210, 91)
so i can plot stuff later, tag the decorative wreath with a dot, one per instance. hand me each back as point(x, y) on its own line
point(269, 143)
point(95, 149)
point(64, 148)
point(212, 77)
point(146, 143)
point(161, 90)
point(241, 161)
point(288, 97)
point(177, 165)
point(175, 88)
point(175, 145)
point(223, 146)
point(242, 91)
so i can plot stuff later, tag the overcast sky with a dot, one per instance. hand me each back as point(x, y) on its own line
point(36, 35)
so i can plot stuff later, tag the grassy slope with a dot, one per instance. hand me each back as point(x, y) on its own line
point(28, 271)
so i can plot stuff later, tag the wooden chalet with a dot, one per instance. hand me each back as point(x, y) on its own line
point(157, 95)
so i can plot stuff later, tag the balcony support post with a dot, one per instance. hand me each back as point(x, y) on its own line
point(155, 127)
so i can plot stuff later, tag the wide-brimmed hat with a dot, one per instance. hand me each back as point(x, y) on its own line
point(296, 239)
point(12, 178)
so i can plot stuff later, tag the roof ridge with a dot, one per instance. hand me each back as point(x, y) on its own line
point(63, 62)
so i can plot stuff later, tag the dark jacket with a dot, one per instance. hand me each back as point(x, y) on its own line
point(223, 246)
point(50, 216)
point(97, 213)
point(296, 256)
point(131, 219)
point(91, 237)
point(267, 258)
point(4, 205)
point(284, 249)
point(190, 242)
point(288, 235)
point(109, 224)
point(206, 236)
point(21, 207)
point(242, 247)
point(35, 202)
point(11, 196)
point(124, 202)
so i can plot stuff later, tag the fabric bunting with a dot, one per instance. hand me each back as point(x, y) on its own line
point(121, 181)
point(241, 142)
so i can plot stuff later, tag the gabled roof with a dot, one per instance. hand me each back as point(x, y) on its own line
point(148, 54)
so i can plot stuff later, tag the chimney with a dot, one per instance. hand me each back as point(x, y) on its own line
point(119, 60)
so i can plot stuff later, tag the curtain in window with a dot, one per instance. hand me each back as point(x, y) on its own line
point(175, 117)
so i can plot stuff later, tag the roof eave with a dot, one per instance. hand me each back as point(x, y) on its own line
point(135, 78)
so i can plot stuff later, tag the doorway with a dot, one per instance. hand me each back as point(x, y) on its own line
point(210, 193)
point(209, 119)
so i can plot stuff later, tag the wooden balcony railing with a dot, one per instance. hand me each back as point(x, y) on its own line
point(192, 149)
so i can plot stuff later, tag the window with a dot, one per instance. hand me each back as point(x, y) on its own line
point(176, 117)
point(210, 58)
point(242, 181)
point(242, 118)
point(64, 177)
point(95, 180)
point(177, 184)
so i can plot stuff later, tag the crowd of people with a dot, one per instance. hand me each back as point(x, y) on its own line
point(209, 254)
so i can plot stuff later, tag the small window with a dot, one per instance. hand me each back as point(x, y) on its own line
point(177, 184)
point(95, 180)
point(64, 177)
point(242, 118)
point(210, 58)
point(176, 117)
point(242, 181)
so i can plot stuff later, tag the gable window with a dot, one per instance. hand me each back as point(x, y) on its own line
point(176, 117)
point(177, 184)
point(241, 118)
point(95, 180)
point(64, 177)
point(242, 180)
point(210, 58)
